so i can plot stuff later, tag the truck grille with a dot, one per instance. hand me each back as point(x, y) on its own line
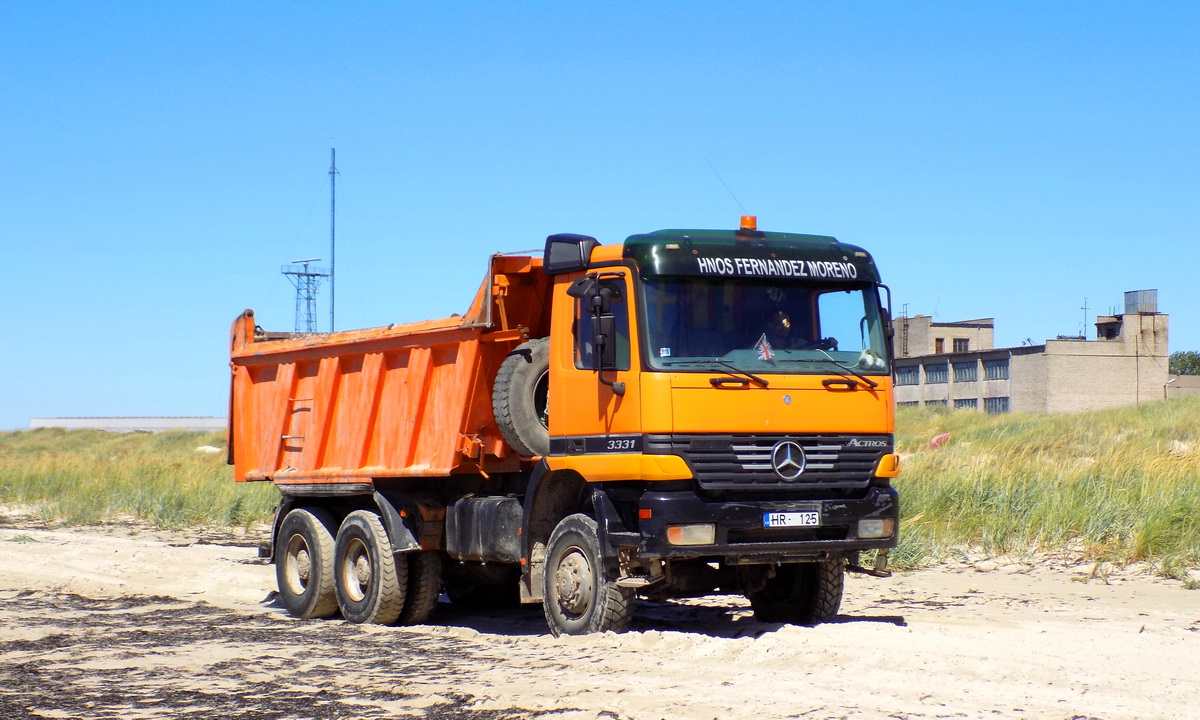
point(743, 462)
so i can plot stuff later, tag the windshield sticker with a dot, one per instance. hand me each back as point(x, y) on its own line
point(763, 346)
point(772, 267)
point(664, 352)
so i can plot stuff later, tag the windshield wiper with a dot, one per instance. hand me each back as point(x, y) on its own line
point(830, 359)
point(723, 363)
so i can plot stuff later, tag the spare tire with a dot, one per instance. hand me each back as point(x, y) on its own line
point(521, 398)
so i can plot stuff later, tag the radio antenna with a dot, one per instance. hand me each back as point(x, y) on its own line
point(735, 198)
point(333, 172)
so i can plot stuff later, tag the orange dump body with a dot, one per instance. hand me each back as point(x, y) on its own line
point(412, 400)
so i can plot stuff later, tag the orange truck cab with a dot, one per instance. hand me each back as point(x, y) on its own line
point(689, 412)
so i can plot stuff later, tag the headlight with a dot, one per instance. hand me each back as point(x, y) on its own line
point(876, 528)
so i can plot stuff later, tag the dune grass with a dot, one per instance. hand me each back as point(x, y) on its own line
point(1118, 485)
point(1115, 486)
point(83, 477)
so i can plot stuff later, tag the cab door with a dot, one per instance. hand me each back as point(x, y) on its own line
point(589, 410)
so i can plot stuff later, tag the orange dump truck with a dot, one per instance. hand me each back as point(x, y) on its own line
point(685, 413)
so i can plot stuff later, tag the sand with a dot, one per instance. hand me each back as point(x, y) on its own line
point(124, 623)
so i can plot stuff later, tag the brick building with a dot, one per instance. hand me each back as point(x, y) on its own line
point(955, 365)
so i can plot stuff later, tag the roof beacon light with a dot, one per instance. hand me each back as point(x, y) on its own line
point(749, 222)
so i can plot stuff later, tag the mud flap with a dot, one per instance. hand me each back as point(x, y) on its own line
point(401, 537)
point(286, 503)
point(613, 534)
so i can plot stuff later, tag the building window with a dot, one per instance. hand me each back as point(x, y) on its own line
point(962, 345)
point(939, 345)
point(935, 403)
point(966, 404)
point(995, 369)
point(966, 371)
point(937, 373)
point(908, 403)
point(996, 405)
point(910, 375)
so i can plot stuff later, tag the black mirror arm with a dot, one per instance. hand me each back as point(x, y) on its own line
point(598, 342)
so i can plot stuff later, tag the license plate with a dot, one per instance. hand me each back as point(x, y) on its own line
point(808, 518)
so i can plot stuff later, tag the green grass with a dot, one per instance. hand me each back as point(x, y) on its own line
point(1117, 486)
point(83, 477)
point(1114, 486)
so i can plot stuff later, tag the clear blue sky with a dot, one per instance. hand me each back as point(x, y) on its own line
point(162, 160)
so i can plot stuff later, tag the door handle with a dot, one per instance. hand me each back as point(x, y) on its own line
point(846, 383)
point(723, 381)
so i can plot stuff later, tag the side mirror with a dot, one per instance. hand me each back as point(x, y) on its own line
point(584, 287)
point(567, 252)
point(604, 350)
point(601, 302)
point(605, 355)
point(889, 332)
point(596, 301)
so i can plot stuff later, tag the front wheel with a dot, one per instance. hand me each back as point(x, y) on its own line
point(577, 596)
point(807, 593)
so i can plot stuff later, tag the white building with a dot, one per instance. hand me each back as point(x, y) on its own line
point(955, 364)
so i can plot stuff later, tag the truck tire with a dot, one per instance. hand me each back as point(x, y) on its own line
point(424, 586)
point(577, 597)
point(807, 593)
point(520, 398)
point(304, 563)
point(369, 578)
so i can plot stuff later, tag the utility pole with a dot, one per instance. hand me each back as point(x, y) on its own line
point(333, 171)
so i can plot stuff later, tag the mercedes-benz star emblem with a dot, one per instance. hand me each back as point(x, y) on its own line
point(788, 459)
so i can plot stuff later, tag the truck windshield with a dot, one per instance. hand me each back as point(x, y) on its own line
point(762, 326)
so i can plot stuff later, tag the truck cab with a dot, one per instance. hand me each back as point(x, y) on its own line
point(725, 399)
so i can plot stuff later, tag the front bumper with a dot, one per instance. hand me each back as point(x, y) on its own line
point(741, 537)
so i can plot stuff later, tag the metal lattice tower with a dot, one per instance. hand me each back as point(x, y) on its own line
point(306, 280)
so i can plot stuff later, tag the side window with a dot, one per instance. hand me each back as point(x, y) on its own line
point(585, 327)
point(842, 318)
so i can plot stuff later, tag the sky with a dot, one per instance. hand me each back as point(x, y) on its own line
point(162, 161)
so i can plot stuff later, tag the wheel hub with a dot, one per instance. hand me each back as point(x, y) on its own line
point(297, 564)
point(362, 570)
point(541, 399)
point(303, 565)
point(573, 582)
point(356, 571)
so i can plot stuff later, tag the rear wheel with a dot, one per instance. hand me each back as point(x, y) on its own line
point(424, 586)
point(801, 593)
point(577, 596)
point(304, 552)
point(370, 579)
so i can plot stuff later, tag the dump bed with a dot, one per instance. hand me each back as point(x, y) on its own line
point(389, 402)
